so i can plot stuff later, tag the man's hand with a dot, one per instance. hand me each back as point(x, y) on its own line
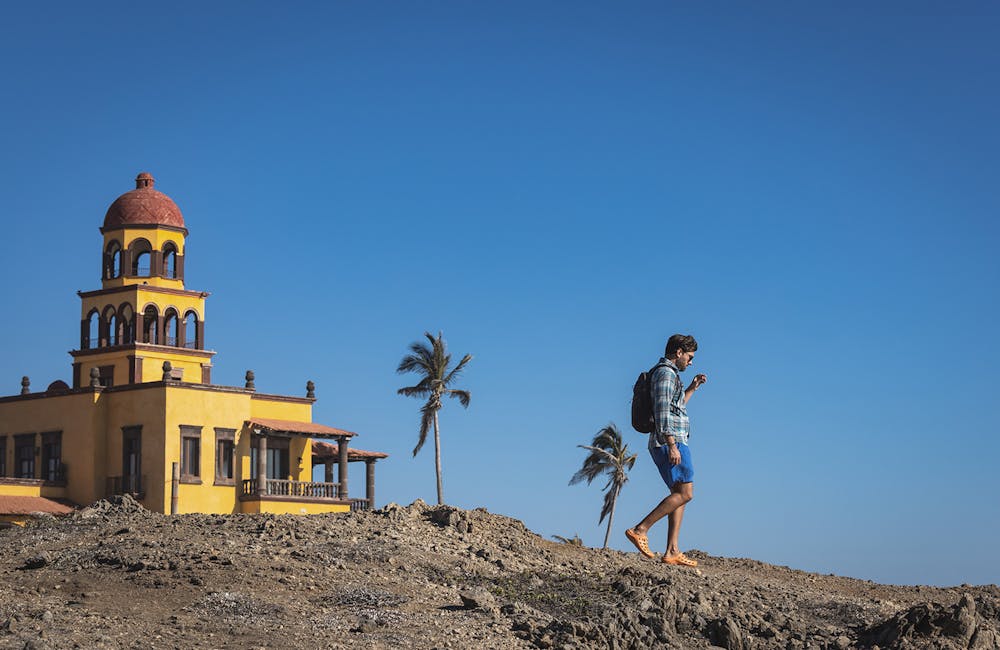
point(697, 382)
point(674, 455)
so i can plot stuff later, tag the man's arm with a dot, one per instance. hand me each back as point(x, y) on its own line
point(663, 395)
point(662, 389)
point(695, 385)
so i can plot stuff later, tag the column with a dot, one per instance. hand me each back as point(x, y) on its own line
point(261, 466)
point(370, 482)
point(342, 467)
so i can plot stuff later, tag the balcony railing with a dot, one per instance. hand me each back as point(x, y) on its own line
point(360, 504)
point(295, 489)
point(132, 485)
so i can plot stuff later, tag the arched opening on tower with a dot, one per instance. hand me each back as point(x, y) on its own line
point(170, 260)
point(171, 327)
point(92, 336)
point(109, 326)
point(113, 260)
point(127, 318)
point(191, 339)
point(141, 258)
point(150, 331)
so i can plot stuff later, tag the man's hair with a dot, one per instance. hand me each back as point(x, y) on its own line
point(683, 342)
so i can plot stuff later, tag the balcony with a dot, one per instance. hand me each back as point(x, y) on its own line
point(131, 485)
point(294, 489)
point(281, 495)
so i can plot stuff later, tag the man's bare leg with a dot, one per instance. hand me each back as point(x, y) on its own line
point(680, 494)
point(686, 490)
point(674, 520)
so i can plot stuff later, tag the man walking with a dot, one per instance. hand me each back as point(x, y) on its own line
point(668, 445)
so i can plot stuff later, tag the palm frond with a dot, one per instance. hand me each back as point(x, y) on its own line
point(595, 464)
point(463, 396)
point(457, 370)
point(609, 502)
point(426, 421)
point(414, 391)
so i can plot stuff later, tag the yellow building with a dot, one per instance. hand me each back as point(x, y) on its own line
point(142, 416)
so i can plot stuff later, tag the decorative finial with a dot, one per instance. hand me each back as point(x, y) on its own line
point(95, 377)
point(250, 379)
point(144, 179)
point(310, 389)
point(167, 368)
point(25, 383)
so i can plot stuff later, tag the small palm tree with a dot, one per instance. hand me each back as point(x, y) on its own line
point(571, 541)
point(608, 455)
point(432, 363)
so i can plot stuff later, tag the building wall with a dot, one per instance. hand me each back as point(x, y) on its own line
point(145, 408)
point(92, 423)
point(292, 507)
point(209, 410)
point(79, 421)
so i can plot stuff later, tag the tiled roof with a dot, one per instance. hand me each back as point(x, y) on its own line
point(324, 450)
point(143, 205)
point(302, 428)
point(23, 505)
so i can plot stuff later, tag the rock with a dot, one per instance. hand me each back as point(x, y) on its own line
point(478, 598)
point(726, 633)
point(37, 561)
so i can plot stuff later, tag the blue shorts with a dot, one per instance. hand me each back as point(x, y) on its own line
point(673, 474)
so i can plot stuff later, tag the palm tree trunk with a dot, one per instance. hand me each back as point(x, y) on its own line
point(611, 515)
point(437, 458)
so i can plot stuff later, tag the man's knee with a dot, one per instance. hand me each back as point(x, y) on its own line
point(685, 491)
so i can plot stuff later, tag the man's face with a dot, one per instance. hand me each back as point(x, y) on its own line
point(684, 359)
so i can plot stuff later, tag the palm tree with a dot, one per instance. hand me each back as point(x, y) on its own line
point(432, 363)
point(608, 455)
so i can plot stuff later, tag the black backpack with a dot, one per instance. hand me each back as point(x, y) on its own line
point(642, 401)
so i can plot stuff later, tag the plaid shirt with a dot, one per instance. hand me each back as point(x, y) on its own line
point(669, 413)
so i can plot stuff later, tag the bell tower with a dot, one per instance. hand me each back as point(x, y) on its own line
point(142, 324)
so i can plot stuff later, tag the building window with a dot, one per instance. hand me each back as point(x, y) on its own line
point(130, 482)
point(225, 447)
point(107, 376)
point(52, 467)
point(3, 455)
point(277, 459)
point(24, 456)
point(190, 454)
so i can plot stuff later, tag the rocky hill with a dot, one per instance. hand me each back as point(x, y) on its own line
point(117, 576)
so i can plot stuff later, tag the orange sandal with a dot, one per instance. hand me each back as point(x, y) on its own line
point(640, 541)
point(679, 560)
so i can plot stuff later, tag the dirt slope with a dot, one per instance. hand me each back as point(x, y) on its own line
point(117, 576)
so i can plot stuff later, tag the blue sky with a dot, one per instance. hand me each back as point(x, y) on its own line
point(809, 189)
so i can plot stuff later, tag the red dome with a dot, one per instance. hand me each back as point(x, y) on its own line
point(143, 206)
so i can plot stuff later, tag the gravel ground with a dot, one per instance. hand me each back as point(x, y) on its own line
point(117, 576)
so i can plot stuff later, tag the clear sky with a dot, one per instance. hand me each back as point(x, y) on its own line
point(559, 186)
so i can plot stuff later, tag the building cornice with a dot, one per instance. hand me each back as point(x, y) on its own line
point(144, 287)
point(144, 226)
point(144, 347)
